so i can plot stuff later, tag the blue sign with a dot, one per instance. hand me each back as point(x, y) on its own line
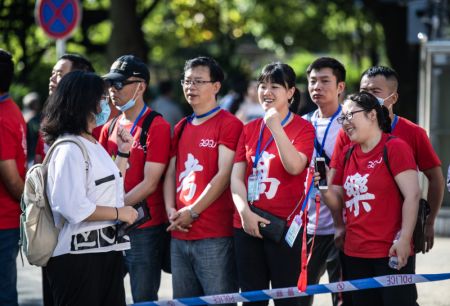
point(58, 18)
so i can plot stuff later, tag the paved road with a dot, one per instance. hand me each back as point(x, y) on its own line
point(436, 293)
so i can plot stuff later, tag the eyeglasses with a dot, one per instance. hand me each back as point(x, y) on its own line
point(118, 85)
point(195, 83)
point(348, 116)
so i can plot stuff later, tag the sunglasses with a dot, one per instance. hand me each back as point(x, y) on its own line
point(118, 85)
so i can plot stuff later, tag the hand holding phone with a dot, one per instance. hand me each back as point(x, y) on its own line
point(320, 166)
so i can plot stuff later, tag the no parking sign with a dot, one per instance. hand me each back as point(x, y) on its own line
point(58, 18)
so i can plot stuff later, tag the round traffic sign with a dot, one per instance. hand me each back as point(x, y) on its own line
point(58, 18)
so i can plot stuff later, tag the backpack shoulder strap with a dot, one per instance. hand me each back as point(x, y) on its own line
point(72, 139)
point(183, 125)
point(112, 125)
point(145, 128)
point(348, 154)
point(386, 157)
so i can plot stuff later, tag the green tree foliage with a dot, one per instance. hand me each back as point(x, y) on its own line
point(241, 35)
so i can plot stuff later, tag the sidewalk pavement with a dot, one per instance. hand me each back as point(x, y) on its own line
point(434, 293)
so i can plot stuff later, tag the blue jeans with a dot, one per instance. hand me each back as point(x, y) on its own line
point(203, 267)
point(143, 262)
point(9, 248)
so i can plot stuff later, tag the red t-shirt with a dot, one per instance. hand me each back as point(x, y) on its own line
point(158, 149)
point(280, 191)
point(415, 136)
point(97, 131)
point(40, 146)
point(13, 145)
point(373, 202)
point(197, 152)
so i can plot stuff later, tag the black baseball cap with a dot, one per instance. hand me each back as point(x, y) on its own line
point(128, 66)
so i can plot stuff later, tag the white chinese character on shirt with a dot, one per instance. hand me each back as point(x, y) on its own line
point(187, 177)
point(356, 188)
point(263, 176)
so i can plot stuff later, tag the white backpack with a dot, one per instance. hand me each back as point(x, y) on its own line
point(38, 233)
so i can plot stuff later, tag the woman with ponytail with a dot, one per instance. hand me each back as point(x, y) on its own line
point(376, 183)
point(270, 168)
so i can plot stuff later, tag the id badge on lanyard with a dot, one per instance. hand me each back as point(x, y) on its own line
point(253, 187)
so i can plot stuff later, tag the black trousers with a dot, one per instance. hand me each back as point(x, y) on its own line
point(388, 296)
point(262, 262)
point(87, 279)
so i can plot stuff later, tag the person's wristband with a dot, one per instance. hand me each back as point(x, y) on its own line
point(121, 154)
point(117, 214)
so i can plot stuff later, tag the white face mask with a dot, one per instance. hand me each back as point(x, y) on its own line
point(129, 104)
point(381, 100)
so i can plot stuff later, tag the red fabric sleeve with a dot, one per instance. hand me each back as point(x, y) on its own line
point(240, 149)
point(229, 133)
point(8, 142)
point(400, 156)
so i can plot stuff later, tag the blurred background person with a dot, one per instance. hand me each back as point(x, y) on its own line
point(32, 114)
point(166, 105)
point(250, 109)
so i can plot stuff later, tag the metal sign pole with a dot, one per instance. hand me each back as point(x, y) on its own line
point(60, 48)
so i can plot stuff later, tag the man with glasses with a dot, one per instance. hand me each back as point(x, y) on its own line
point(326, 82)
point(382, 82)
point(198, 200)
point(128, 80)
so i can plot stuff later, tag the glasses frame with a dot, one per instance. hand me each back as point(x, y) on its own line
point(116, 85)
point(348, 116)
point(195, 83)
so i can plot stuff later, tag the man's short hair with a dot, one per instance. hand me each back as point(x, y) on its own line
point(215, 71)
point(328, 62)
point(389, 73)
point(6, 70)
point(78, 62)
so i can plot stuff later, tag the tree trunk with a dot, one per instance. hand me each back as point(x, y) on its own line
point(126, 35)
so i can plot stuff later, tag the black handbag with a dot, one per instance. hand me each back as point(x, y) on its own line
point(273, 231)
point(419, 230)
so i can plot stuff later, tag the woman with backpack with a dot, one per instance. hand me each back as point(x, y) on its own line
point(376, 183)
point(86, 267)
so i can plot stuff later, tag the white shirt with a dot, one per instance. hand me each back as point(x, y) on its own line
point(73, 197)
point(325, 224)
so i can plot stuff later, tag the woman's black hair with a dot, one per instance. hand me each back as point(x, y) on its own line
point(368, 102)
point(69, 108)
point(282, 74)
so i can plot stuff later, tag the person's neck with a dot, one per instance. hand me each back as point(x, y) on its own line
point(88, 135)
point(203, 109)
point(328, 110)
point(132, 113)
point(371, 141)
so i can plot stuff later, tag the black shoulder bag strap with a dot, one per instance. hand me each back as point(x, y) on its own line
point(112, 125)
point(145, 128)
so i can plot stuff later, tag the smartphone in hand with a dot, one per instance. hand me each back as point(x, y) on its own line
point(319, 165)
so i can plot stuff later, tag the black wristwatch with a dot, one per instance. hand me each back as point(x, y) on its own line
point(194, 215)
point(121, 154)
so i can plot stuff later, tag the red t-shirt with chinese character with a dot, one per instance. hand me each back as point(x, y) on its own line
point(373, 202)
point(414, 135)
point(158, 150)
point(280, 192)
point(197, 152)
point(13, 146)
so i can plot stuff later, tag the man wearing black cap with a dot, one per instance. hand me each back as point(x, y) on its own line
point(128, 79)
